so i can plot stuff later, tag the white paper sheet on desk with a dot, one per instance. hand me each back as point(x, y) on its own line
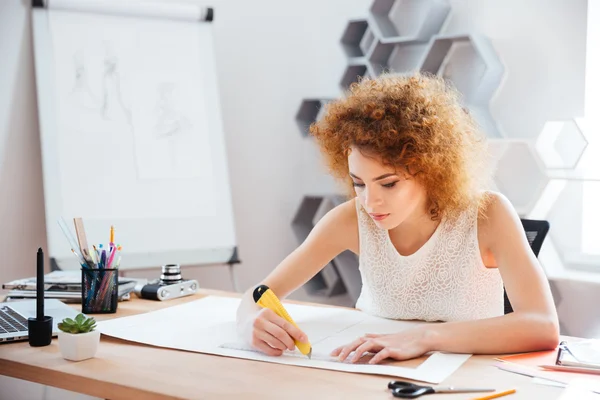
point(208, 326)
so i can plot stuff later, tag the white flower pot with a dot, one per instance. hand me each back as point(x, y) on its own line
point(78, 346)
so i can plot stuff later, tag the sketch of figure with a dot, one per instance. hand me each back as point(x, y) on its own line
point(82, 95)
point(113, 106)
point(169, 121)
point(171, 124)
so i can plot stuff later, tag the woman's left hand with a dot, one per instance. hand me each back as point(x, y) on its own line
point(405, 345)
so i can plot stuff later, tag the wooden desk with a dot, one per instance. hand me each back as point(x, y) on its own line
point(125, 370)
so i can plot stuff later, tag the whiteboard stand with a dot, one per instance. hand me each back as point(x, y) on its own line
point(131, 131)
point(231, 264)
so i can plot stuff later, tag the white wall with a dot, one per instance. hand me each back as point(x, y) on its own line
point(22, 226)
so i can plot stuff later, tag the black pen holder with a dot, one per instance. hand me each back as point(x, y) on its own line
point(99, 290)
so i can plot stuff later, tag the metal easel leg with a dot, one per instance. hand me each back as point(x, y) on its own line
point(234, 284)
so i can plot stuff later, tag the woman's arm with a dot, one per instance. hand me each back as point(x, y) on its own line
point(532, 326)
point(337, 231)
point(534, 323)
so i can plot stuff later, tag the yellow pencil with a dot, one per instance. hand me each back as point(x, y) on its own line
point(496, 395)
point(264, 297)
point(112, 234)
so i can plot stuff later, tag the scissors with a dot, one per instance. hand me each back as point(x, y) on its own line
point(408, 390)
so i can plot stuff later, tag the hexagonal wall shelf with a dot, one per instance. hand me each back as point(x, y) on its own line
point(566, 216)
point(367, 42)
point(552, 263)
point(561, 144)
point(354, 38)
point(311, 110)
point(485, 120)
point(471, 64)
point(547, 199)
point(549, 256)
point(575, 215)
point(520, 176)
point(327, 282)
point(353, 72)
point(401, 56)
point(408, 19)
point(545, 209)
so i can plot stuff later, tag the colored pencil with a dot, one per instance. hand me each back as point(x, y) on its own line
point(496, 395)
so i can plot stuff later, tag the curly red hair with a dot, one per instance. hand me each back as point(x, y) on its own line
point(415, 122)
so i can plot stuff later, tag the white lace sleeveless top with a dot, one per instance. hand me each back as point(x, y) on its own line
point(445, 280)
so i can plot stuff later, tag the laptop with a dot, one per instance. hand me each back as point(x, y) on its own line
point(14, 315)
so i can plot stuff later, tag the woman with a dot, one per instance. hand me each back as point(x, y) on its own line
point(433, 244)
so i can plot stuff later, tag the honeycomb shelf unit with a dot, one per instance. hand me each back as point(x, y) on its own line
point(519, 172)
point(311, 110)
point(356, 69)
point(341, 275)
point(561, 145)
point(401, 36)
point(394, 20)
point(367, 42)
point(401, 56)
point(543, 176)
point(472, 65)
point(354, 38)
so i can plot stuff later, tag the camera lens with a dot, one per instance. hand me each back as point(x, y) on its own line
point(171, 273)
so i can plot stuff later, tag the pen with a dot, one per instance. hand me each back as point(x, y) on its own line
point(496, 395)
point(264, 297)
point(93, 256)
point(96, 251)
point(111, 257)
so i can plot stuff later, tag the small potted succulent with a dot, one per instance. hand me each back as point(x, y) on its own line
point(77, 338)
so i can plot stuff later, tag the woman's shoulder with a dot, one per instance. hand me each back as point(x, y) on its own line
point(345, 213)
point(493, 206)
point(495, 209)
point(342, 222)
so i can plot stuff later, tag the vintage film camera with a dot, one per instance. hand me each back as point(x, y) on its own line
point(170, 285)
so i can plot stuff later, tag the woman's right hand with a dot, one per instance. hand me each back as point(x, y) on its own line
point(334, 233)
point(268, 332)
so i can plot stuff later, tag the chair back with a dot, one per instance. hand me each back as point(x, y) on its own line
point(536, 231)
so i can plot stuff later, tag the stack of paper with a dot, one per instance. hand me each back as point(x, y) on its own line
point(61, 285)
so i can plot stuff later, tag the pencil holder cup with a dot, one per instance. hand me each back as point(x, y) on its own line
point(99, 290)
